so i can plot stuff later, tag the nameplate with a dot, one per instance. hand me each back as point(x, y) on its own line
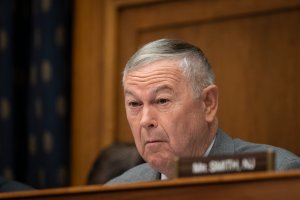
point(246, 162)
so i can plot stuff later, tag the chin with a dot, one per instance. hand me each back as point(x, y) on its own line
point(162, 165)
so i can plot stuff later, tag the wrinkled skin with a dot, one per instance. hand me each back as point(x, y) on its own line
point(166, 120)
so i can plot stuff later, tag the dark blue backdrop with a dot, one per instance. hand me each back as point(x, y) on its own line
point(34, 91)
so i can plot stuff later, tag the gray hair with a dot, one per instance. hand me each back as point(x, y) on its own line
point(193, 63)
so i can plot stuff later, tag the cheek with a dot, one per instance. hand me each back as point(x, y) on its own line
point(137, 139)
point(175, 128)
point(136, 131)
point(183, 130)
point(133, 120)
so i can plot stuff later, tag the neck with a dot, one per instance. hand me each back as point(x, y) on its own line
point(212, 131)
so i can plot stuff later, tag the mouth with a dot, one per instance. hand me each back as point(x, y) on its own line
point(153, 141)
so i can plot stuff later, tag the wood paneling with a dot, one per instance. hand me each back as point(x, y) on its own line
point(253, 48)
point(252, 45)
point(88, 137)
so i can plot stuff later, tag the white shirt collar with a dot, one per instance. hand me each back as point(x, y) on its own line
point(209, 148)
point(164, 177)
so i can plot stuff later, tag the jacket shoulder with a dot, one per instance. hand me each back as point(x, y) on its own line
point(284, 159)
point(140, 173)
point(224, 144)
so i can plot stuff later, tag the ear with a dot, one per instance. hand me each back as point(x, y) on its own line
point(210, 96)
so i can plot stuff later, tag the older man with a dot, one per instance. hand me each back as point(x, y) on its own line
point(171, 103)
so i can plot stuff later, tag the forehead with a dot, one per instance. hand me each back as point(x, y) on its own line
point(163, 71)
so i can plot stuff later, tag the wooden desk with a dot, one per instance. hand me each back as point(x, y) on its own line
point(262, 185)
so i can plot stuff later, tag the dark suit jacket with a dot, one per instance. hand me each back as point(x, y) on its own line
point(223, 145)
point(12, 186)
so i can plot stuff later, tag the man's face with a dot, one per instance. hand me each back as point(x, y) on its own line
point(165, 119)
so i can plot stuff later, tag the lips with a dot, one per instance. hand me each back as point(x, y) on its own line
point(151, 141)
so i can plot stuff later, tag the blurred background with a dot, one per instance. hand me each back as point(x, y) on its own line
point(61, 62)
point(35, 70)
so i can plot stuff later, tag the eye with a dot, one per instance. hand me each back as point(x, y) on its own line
point(162, 101)
point(134, 104)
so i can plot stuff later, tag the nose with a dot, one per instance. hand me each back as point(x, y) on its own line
point(148, 120)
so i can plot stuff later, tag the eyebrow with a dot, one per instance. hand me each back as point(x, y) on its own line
point(128, 92)
point(155, 91)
